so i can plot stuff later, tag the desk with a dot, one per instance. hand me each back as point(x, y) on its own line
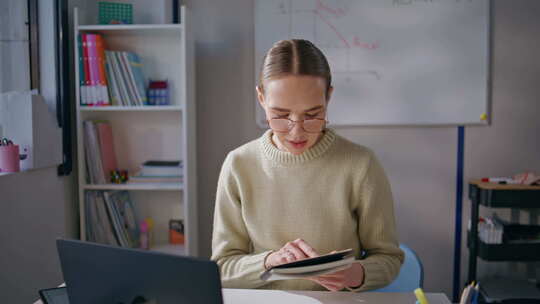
point(250, 296)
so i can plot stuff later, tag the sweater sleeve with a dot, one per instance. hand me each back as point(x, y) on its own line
point(231, 244)
point(377, 229)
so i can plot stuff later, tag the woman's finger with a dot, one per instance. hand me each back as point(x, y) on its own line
point(306, 248)
point(289, 255)
point(330, 285)
point(294, 249)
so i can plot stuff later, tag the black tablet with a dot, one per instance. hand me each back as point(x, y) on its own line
point(326, 258)
point(54, 295)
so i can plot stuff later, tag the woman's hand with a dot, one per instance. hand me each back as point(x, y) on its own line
point(292, 251)
point(350, 277)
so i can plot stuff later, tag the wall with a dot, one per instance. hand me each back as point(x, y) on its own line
point(420, 162)
point(36, 207)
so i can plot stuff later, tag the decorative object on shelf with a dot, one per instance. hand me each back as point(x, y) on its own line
point(146, 229)
point(158, 93)
point(176, 232)
point(119, 176)
point(115, 13)
point(144, 236)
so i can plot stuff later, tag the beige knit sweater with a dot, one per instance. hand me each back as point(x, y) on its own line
point(334, 196)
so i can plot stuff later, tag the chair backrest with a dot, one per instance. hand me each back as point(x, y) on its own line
point(411, 274)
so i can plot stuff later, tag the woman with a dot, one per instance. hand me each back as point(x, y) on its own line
point(301, 190)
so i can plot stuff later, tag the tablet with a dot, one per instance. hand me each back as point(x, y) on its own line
point(326, 258)
point(54, 295)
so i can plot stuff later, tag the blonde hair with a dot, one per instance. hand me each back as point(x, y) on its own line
point(294, 57)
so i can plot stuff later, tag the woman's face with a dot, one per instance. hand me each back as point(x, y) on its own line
point(296, 98)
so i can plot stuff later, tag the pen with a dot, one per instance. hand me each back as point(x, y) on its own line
point(5, 142)
point(499, 180)
point(420, 296)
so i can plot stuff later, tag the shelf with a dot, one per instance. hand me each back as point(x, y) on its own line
point(137, 186)
point(504, 196)
point(498, 288)
point(129, 108)
point(169, 249)
point(507, 252)
point(131, 27)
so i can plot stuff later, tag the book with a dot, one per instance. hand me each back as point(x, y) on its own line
point(161, 168)
point(102, 78)
point(131, 80)
point(85, 90)
point(111, 218)
point(94, 164)
point(310, 267)
point(94, 71)
point(125, 99)
point(155, 179)
point(114, 91)
point(124, 74)
point(136, 68)
point(106, 147)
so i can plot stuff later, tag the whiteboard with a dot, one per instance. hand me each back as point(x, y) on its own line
point(393, 62)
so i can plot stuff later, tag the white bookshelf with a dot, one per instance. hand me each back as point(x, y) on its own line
point(131, 108)
point(144, 133)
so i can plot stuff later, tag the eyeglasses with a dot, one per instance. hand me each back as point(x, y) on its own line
point(285, 125)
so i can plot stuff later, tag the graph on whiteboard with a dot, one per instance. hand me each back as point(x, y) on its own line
point(393, 62)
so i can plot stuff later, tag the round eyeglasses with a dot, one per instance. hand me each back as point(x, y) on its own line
point(285, 125)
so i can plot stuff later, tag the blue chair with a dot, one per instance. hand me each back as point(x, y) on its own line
point(411, 275)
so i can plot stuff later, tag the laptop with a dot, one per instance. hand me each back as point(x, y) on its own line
point(96, 273)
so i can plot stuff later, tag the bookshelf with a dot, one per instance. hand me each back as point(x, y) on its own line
point(141, 133)
point(491, 195)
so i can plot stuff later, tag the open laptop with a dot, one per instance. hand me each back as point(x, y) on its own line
point(96, 273)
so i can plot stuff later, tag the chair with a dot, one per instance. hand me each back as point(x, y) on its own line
point(411, 274)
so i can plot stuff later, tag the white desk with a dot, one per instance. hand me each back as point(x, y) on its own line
point(250, 296)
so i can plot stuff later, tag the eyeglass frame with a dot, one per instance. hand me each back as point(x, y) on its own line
point(292, 123)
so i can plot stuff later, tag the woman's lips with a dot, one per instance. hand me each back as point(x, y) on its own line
point(298, 144)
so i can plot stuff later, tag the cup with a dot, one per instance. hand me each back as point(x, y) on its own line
point(9, 158)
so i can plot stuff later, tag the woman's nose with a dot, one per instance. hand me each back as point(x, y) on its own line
point(298, 128)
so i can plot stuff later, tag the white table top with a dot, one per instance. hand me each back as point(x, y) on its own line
point(250, 296)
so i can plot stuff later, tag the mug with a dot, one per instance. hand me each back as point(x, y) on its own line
point(9, 158)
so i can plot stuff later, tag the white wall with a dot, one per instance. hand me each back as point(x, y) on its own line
point(420, 162)
point(36, 207)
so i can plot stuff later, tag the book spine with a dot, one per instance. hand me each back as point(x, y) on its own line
point(118, 79)
point(111, 80)
point(130, 99)
point(100, 48)
point(94, 70)
point(80, 58)
point(86, 89)
point(138, 76)
point(130, 83)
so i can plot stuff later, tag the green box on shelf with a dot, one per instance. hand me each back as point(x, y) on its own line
point(115, 13)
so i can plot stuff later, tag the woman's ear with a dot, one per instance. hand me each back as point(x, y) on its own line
point(260, 95)
point(329, 94)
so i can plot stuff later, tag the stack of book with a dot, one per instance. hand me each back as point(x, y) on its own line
point(99, 151)
point(109, 77)
point(92, 78)
point(127, 84)
point(111, 219)
point(159, 171)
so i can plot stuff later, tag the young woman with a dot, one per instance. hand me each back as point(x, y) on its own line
point(301, 190)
